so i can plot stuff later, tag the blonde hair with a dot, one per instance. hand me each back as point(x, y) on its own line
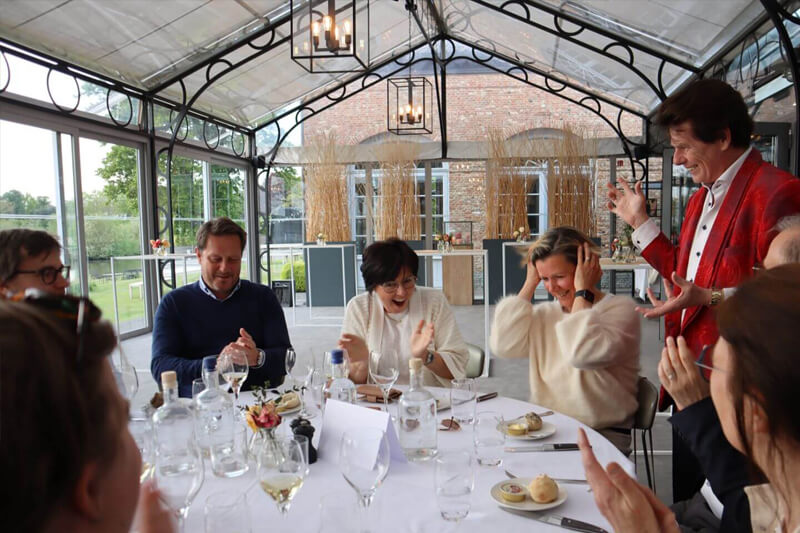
point(563, 240)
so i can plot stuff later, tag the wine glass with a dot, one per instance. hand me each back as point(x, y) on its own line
point(299, 372)
point(281, 470)
point(364, 461)
point(141, 428)
point(232, 366)
point(384, 369)
point(179, 475)
point(124, 374)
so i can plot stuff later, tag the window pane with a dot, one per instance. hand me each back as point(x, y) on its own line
point(187, 201)
point(286, 202)
point(361, 226)
point(533, 204)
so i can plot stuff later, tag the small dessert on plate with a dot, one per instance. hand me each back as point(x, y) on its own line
point(512, 492)
point(543, 489)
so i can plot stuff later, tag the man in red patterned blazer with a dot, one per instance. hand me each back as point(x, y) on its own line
point(728, 226)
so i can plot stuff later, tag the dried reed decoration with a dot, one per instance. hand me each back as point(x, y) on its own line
point(570, 182)
point(326, 191)
point(398, 213)
point(506, 188)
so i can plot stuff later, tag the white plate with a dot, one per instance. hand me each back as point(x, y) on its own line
point(291, 411)
point(527, 504)
point(543, 432)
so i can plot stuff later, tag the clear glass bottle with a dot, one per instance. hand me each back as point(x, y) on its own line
point(339, 387)
point(173, 422)
point(417, 412)
point(215, 424)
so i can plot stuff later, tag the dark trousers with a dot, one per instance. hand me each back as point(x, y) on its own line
point(687, 474)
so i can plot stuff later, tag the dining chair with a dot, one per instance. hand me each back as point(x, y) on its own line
point(475, 361)
point(647, 395)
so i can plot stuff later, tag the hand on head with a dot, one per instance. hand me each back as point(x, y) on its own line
point(679, 375)
point(629, 506)
point(587, 271)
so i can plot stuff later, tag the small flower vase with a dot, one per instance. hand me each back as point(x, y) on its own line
point(630, 257)
point(262, 441)
point(321, 242)
point(160, 251)
point(440, 246)
point(448, 246)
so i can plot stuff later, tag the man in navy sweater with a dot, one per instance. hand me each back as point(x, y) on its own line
point(219, 311)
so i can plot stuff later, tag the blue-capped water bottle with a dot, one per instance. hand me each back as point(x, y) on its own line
point(339, 387)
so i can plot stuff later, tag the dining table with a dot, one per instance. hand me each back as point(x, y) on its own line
point(406, 500)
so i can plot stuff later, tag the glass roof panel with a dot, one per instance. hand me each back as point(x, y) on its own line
point(567, 60)
point(691, 31)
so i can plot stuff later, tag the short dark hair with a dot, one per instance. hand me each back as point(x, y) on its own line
point(561, 240)
point(760, 323)
point(219, 226)
point(58, 412)
point(710, 106)
point(20, 243)
point(382, 261)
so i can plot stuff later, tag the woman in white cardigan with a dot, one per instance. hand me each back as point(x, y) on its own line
point(583, 347)
point(395, 314)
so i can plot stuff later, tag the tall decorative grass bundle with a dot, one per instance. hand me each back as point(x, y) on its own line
point(398, 206)
point(506, 189)
point(326, 191)
point(570, 182)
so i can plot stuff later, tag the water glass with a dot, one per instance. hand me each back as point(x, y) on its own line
point(489, 441)
point(463, 400)
point(141, 429)
point(229, 452)
point(302, 441)
point(227, 512)
point(455, 479)
point(198, 386)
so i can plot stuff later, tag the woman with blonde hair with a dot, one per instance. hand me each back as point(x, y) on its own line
point(584, 346)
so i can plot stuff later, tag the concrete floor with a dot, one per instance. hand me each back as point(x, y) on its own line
point(316, 330)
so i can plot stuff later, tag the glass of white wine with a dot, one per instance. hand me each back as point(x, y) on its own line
point(384, 368)
point(300, 372)
point(281, 471)
point(232, 366)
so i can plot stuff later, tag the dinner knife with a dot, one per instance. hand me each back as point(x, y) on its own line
point(556, 520)
point(487, 396)
point(556, 447)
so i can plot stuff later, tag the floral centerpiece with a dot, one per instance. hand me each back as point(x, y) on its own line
point(159, 246)
point(263, 419)
point(321, 238)
point(520, 235)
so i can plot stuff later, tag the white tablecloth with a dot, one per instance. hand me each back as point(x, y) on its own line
point(406, 501)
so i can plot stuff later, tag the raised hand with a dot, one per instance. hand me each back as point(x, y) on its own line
point(629, 506)
point(421, 338)
point(628, 204)
point(587, 271)
point(690, 296)
point(679, 375)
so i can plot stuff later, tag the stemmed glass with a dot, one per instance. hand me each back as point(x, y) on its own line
point(141, 429)
point(125, 374)
point(384, 369)
point(281, 471)
point(364, 462)
point(232, 366)
point(179, 476)
point(299, 372)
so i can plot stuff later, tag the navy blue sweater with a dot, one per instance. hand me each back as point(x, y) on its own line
point(190, 324)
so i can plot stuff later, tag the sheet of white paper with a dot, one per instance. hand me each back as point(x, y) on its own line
point(341, 416)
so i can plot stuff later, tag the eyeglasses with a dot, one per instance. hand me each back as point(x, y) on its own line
point(48, 274)
point(70, 309)
point(700, 359)
point(392, 286)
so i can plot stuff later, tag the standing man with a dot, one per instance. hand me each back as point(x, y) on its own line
point(217, 311)
point(31, 259)
point(728, 225)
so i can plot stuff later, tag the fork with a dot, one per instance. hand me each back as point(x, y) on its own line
point(558, 480)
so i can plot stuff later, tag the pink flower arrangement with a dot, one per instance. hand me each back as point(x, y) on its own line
point(262, 416)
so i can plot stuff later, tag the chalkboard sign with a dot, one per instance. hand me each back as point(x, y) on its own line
point(283, 291)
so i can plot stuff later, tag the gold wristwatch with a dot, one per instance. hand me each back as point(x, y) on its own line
point(716, 297)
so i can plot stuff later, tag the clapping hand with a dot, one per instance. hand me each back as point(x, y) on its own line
point(246, 344)
point(421, 338)
point(628, 204)
point(587, 271)
point(679, 375)
point(691, 295)
point(358, 353)
point(629, 506)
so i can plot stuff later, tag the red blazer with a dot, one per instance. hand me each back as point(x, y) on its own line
point(759, 196)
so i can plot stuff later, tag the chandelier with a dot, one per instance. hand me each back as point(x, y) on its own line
point(330, 36)
point(409, 99)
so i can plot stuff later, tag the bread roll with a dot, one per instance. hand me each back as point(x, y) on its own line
point(534, 421)
point(543, 489)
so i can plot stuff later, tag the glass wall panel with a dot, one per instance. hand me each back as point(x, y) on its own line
point(228, 199)
point(109, 182)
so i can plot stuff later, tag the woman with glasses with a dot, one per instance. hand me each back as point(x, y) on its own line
point(395, 314)
point(584, 346)
point(753, 386)
point(67, 459)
